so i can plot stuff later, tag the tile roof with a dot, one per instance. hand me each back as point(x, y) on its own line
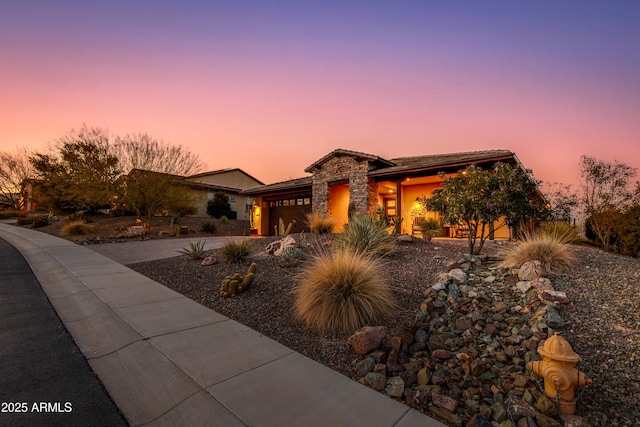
point(291, 184)
point(400, 165)
point(342, 152)
point(219, 171)
point(435, 161)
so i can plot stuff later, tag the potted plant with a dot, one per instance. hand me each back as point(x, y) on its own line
point(429, 228)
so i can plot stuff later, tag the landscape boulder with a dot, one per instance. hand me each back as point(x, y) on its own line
point(366, 339)
point(530, 270)
point(554, 296)
point(276, 248)
point(135, 231)
point(208, 261)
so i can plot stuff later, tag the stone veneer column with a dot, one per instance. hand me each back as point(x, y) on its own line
point(372, 196)
point(320, 196)
point(341, 169)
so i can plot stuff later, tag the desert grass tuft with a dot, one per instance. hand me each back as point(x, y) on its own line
point(365, 234)
point(561, 231)
point(235, 251)
point(76, 228)
point(319, 224)
point(554, 255)
point(341, 291)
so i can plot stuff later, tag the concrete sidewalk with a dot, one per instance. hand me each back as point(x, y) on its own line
point(166, 360)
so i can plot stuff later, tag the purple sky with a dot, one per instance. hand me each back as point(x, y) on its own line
point(273, 86)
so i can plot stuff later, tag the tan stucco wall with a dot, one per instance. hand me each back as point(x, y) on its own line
point(409, 195)
point(201, 197)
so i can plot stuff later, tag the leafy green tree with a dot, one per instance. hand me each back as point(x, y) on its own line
point(219, 205)
point(477, 199)
point(154, 172)
point(79, 174)
point(627, 228)
point(608, 190)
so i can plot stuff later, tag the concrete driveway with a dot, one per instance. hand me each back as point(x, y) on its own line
point(149, 250)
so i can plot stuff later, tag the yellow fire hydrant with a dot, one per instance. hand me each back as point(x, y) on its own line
point(560, 375)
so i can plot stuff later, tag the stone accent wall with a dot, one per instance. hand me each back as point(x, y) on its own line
point(372, 195)
point(341, 169)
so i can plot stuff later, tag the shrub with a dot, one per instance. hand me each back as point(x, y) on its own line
point(429, 228)
point(40, 221)
point(76, 228)
point(208, 227)
point(561, 231)
point(554, 255)
point(9, 213)
point(236, 251)
point(340, 292)
point(224, 220)
point(365, 234)
point(628, 228)
point(319, 224)
point(290, 257)
point(195, 250)
point(24, 220)
point(35, 221)
point(219, 205)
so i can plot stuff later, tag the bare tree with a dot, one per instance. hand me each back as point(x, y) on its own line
point(15, 172)
point(153, 174)
point(141, 151)
point(563, 201)
point(608, 191)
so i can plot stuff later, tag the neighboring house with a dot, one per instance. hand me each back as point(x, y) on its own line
point(366, 181)
point(229, 181)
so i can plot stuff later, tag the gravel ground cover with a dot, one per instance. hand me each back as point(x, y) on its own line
point(604, 329)
point(602, 318)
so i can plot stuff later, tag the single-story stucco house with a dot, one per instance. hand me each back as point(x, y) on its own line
point(232, 182)
point(366, 181)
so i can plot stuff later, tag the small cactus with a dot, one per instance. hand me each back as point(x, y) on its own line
point(248, 279)
point(252, 268)
point(233, 287)
point(236, 284)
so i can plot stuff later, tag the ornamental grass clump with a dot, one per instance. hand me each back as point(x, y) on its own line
point(561, 231)
point(342, 291)
point(76, 228)
point(319, 224)
point(235, 251)
point(208, 227)
point(365, 234)
point(554, 255)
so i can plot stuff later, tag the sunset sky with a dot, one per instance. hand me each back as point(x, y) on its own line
point(272, 86)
